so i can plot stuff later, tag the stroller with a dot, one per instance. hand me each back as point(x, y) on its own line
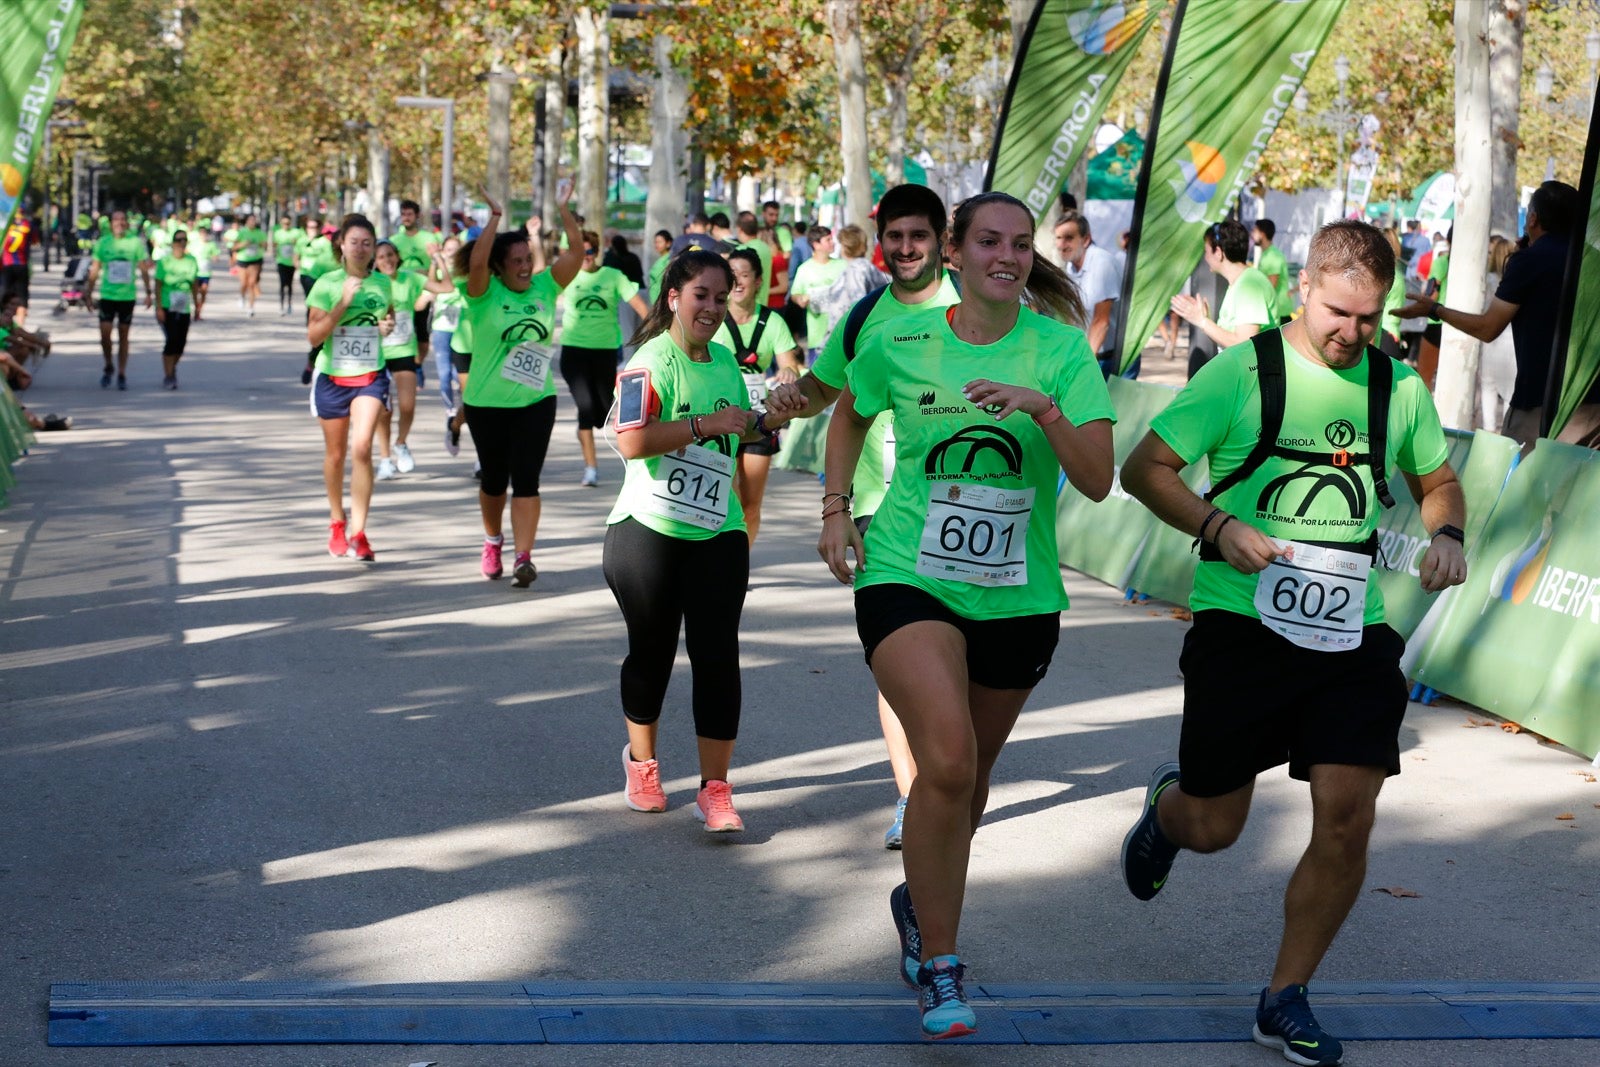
point(75, 284)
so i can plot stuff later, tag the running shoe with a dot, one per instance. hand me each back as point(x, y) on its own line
point(403, 460)
point(105, 379)
point(169, 382)
point(713, 805)
point(1285, 1022)
point(896, 830)
point(491, 560)
point(945, 1012)
point(643, 791)
point(905, 924)
point(523, 572)
point(337, 545)
point(1147, 855)
point(452, 436)
point(385, 469)
point(360, 549)
point(591, 476)
point(122, 383)
point(305, 375)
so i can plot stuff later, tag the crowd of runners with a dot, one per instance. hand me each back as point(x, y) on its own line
point(962, 390)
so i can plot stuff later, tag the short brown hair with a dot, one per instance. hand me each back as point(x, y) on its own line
point(1352, 249)
point(853, 239)
point(1079, 223)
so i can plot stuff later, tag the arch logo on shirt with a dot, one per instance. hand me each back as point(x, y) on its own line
point(975, 452)
point(1296, 492)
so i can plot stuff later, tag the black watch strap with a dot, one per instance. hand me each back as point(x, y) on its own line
point(1451, 531)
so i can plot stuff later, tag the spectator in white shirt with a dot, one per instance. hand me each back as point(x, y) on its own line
point(1098, 276)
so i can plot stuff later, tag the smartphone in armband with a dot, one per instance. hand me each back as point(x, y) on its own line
point(633, 398)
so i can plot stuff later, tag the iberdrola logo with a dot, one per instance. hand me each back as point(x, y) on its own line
point(1106, 25)
point(1203, 171)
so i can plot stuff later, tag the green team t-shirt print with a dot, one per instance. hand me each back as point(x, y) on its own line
point(513, 358)
point(870, 481)
point(355, 340)
point(589, 308)
point(1218, 414)
point(406, 287)
point(972, 500)
point(685, 389)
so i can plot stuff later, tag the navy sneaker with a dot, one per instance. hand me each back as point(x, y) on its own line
point(1285, 1023)
point(905, 924)
point(945, 1012)
point(1146, 853)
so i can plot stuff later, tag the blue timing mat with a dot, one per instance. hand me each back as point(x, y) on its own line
point(490, 1013)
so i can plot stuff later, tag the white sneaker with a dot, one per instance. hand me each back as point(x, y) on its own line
point(402, 460)
point(385, 469)
point(591, 476)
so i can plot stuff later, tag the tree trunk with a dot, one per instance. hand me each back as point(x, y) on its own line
point(669, 107)
point(425, 194)
point(594, 62)
point(894, 168)
point(694, 193)
point(1507, 19)
point(378, 179)
point(844, 22)
point(498, 180)
point(1469, 249)
point(555, 122)
point(536, 196)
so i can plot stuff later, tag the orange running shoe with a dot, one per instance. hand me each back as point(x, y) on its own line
point(643, 792)
point(713, 805)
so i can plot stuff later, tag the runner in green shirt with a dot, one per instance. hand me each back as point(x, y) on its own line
point(658, 267)
point(769, 219)
point(818, 272)
point(416, 245)
point(203, 251)
point(1248, 307)
point(510, 396)
point(175, 280)
point(410, 292)
point(591, 343)
point(1436, 289)
point(676, 555)
point(117, 256)
point(314, 256)
point(285, 240)
point(350, 310)
point(446, 315)
point(1288, 659)
point(958, 593)
point(249, 251)
point(1272, 263)
point(750, 237)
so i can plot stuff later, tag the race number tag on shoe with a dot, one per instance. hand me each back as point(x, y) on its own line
point(119, 272)
point(692, 485)
point(977, 534)
point(1314, 596)
point(355, 351)
point(178, 303)
point(404, 330)
point(528, 364)
point(755, 383)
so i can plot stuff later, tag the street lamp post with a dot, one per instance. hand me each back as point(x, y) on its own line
point(447, 192)
point(1340, 119)
point(1579, 106)
point(52, 124)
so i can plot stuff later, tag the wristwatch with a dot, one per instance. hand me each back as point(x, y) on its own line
point(1451, 531)
point(1434, 309)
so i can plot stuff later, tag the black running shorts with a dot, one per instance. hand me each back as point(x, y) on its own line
point(1012, 653)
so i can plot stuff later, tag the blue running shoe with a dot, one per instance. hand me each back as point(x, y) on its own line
point(891, 836)
point(945, 1012)
point(1146, 853)
point(1285, 1022)
point(905, 924)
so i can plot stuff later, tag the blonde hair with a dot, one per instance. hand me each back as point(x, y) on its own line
point(853, 241)
point(1500, 250)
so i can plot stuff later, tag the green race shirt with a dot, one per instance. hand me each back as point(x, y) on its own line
point(370, 304)
point(315, 255)
point(285, 239)
point(1270, 263)
point(763, 252)
point(119, 259)
point(1249, 301)
point(1395, 299)
point(589, 308)
point(414, 248)
point(658, 270)
point(947, 451)
point(1218, 414)
point(447, 308)
point(684, 390)
point(250, 246)
point(160, 244)
point(816, 275)
point(1439, 271)
point(503, 324)
point(201, 248)
point(405, 288)
point(177, 274)
point(869, 484)
point(775, 338)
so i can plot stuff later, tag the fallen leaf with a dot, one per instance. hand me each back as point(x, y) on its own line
point(1585, 775)
point(1397, 891)
point(1565, 816)
point(1182, 614)
point(1511, 728)
point(1472, 724)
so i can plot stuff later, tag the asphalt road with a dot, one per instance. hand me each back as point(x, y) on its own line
point(226, 756)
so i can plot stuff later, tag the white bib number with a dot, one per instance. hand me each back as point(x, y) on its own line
point(693, 485)
point(976, 534)
point(119, 272)
point(1316, 597)
point(178, 302)
point(755, 383)
point(355, 351)
point(528, 364)
point(445, 318)
point(403, 332)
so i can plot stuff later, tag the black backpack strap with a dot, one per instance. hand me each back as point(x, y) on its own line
point(1380, 380)
point(739, 349)
point(1270, 378)
point(955, 280)
point(755, 338)
point(857, 318)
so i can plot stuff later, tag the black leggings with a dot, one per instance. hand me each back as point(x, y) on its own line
point(591, 375)
point(305, 289)
point(177, 330)
point(511, 444)
point(661, 582)
point(286, 281)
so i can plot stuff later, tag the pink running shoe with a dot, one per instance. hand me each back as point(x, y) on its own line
point(337, 545)
point(491, 560)
point(644, 791)
point(713, 805)
point(360, 549)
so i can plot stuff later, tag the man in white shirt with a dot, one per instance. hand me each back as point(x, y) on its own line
point(1098, 276)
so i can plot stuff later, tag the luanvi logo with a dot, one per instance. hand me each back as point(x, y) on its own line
point(975, 451)
point(925, 400)
point(904, 338)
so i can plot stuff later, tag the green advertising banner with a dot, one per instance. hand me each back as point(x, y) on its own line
point(37, 35)
point(1104, 540)
point(1481, 461)
point(805, 444)
point(1165, 569)
point(1068, 62)
point(1229, 76)
point(1578, 327)
point(1521, 638)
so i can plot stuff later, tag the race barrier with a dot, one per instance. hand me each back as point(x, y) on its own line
point(15, 437)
